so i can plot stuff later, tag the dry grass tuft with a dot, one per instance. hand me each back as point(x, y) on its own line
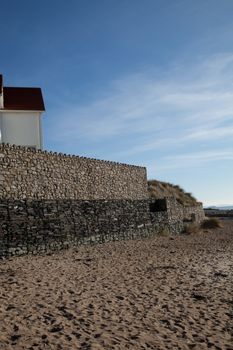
point(191, 228)
point(164, 232)
point(211, 223)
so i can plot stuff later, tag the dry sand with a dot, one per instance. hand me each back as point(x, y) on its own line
point(159, 293)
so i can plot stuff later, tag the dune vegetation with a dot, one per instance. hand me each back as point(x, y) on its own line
point(159, 189)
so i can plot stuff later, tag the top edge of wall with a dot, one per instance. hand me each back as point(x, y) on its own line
point(62, 155)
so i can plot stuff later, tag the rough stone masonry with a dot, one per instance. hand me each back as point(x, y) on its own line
point(27, 173)
point(51, 201)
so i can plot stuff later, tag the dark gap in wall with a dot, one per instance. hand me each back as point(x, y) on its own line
point(158, 205)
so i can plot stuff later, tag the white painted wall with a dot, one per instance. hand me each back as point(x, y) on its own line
point(1, 100)
point(21, 128)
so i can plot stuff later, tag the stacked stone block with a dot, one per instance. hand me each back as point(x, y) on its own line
point(27, 173)
point(51, 201)
point(32, 226)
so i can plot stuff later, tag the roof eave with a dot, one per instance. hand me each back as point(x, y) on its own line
point(21, 110)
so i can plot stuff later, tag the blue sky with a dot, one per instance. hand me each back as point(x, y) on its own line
point(142, 82)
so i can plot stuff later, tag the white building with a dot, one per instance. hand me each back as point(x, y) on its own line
point(20, 115)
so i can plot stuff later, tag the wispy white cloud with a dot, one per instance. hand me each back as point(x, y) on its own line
point(212, 133)
point(189, 102)
point(195, 159)
point(208, 155)
point(188, 136)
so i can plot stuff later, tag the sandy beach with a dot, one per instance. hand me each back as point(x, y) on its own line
point(157, 293)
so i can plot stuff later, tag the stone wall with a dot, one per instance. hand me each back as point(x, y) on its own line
point(51, 201)
point(26, 173)
point(168, 212)
point(194, 213)
point(178, 214)
point(33, 226)
point(175, 215)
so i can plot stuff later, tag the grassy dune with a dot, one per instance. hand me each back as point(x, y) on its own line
point(158, 189)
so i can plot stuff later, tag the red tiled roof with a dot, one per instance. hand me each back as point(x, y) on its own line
point(22, 98)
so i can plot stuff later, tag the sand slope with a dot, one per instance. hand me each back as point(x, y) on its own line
point(160, 293)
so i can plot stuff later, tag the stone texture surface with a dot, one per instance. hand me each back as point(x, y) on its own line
point(35, 226)
point(51, 201)
point(43, 225)
point(27, 173)
point(193, 213)
point(171, 214)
